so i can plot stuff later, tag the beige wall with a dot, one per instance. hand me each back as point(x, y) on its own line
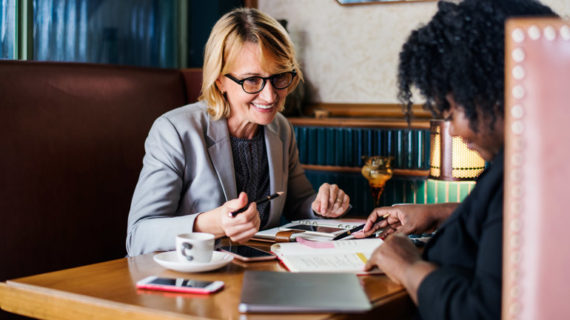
point(350, 53)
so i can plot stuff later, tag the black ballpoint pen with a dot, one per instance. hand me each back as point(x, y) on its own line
point(349, 232)
point(358, 228)
point(258, 202)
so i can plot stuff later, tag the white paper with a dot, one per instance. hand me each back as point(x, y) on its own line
point(341, 256)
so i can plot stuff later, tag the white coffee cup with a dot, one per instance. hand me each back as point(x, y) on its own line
point(196, 247)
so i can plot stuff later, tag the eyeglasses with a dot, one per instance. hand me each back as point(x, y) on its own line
point(256, 84)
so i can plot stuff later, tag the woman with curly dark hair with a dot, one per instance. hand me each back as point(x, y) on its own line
point(456, 62)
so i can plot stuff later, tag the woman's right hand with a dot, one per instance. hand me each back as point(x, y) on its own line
point(243, 226)
point(406, 218)
point(220, 221)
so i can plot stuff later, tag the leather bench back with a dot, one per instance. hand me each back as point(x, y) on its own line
point(72, 140)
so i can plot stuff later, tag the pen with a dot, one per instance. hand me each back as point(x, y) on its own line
point(382, 218)
point(258, 202)
point(349, 232)
point(358, 228)
point(375, 234)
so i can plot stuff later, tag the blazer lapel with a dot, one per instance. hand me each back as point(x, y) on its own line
point(275, 155)
point(220, 151)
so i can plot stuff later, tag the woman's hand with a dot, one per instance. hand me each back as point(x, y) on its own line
point(406, 218)
point(220, 221)
point(243, 226)
point(331, 201)
point(402, 263)
point(395, 255)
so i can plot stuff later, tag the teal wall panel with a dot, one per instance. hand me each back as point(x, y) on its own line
point(346, 146)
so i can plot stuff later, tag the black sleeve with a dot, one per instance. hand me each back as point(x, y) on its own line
point(452, 292)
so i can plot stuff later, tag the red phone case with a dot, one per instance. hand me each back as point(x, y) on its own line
point(162, 287)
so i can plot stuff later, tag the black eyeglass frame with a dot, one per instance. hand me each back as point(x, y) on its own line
point(270, 78)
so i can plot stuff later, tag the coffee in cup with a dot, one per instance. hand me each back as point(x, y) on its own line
point(195, 247)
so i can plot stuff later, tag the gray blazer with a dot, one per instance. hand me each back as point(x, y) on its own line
point(188, 169)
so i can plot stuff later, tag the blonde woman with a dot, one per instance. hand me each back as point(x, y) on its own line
point(208, 159)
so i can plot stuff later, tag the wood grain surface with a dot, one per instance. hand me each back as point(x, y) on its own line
point(107, 291)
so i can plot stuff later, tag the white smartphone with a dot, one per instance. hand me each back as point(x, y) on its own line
point(247, 253)
point(180, 285)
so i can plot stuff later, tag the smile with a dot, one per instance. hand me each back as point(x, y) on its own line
point(262, 106)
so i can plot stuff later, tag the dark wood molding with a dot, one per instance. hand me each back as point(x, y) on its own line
point(377, 110)
point(250, 4)
point(396, 172)
point(410, 172)
point(360, 122)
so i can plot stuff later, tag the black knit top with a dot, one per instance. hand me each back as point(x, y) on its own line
point(252, 170)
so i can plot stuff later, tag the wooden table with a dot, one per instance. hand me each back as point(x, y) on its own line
point(107, 291)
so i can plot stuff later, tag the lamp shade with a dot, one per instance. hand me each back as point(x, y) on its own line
point(450, 159)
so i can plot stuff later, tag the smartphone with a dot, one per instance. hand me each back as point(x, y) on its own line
point(180, 285)
point(247, 253)
point(306, 227)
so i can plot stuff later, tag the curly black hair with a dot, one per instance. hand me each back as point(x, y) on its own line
point(461, 51)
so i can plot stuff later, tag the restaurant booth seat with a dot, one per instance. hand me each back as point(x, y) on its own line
point(72, 141)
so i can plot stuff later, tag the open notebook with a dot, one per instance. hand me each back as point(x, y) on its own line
point(327, 256)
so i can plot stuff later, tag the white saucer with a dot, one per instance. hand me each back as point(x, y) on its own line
point(170, 260)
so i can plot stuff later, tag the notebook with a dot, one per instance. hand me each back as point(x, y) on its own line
point(314, 229)
point(267, 291)
point(326, 256)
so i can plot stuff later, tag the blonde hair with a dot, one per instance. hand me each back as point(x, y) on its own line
point(227, 39)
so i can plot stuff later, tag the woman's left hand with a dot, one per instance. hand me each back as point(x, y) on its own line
point(394, 256)
point(331, 201)
point(402, 262)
